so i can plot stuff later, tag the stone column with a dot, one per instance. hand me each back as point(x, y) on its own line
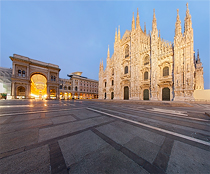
point(13, 69)
point(13, 90)
point(58, 95)
point(28, 75)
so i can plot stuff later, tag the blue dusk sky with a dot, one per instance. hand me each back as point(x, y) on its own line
point(75, 34)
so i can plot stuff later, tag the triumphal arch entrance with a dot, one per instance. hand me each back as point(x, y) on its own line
point(34, 79)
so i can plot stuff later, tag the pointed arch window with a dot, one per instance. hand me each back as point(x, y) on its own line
point(112, 82)
point(165, 71)
point(126, 70)
point(146, 75)
point(146, 60)
point(126, 51)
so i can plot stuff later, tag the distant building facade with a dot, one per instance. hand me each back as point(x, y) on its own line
point(78, 87)
point(5, 82)
point(146, 67)
point(31, 78)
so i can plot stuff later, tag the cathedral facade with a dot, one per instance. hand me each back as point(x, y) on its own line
point(146, 67)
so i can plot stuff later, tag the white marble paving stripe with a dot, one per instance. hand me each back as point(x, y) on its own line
point(169, 111)
point(14, 106)
point(34, 112)
point(172, 114)
point(156, 128)
point(164, 114)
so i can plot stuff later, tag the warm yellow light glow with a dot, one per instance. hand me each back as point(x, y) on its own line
point(38, 86)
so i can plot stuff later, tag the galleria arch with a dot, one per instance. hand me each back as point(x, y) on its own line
point(34, 79)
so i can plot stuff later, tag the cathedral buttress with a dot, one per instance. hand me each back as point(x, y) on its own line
point(154, 54)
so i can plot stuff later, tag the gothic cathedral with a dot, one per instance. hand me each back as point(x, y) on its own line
point(146, 67)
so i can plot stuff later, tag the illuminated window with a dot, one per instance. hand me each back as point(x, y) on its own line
point(146, 75)
point(126, 70)
point(165, 71)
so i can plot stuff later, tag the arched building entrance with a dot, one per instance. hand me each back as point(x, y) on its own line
point(146, 94)
point(126, 93)
point(39, 79)
point(21, 92)
point(112, 95)
point(166, 94)
point(38, 86)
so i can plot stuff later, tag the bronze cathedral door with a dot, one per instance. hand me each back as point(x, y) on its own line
point(166, 94)
point(126, 93)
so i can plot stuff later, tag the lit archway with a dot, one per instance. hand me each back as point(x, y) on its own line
point(52, 93)
point(38, 86)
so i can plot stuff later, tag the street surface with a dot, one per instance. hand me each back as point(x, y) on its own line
point(101, 136)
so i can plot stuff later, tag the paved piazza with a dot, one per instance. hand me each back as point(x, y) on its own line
point(101, 136)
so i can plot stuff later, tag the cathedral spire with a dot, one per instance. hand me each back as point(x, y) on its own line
point(101, 68)
point(116, 35)
point(133, 23)
point(178, 29)
point(154, 22)
point(145, 28)
point(108, 54)
point(198, 58)
point(137, 20)
point(118, 39)
point(188, 22)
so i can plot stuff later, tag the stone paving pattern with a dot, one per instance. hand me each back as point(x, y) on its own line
point(70, 138)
